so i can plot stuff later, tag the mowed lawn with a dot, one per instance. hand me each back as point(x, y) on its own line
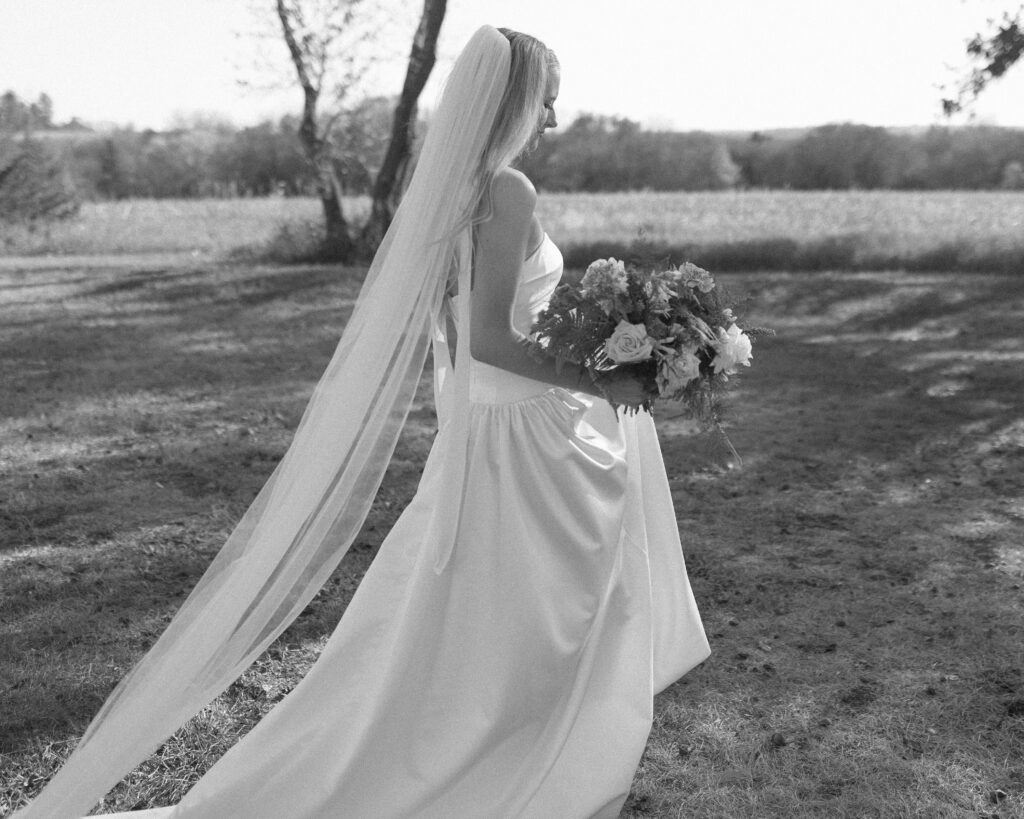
point(860, 578)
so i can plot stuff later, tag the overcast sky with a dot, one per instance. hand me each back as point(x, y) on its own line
point(711, 65)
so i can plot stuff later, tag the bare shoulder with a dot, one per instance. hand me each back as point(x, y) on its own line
point(513, 193)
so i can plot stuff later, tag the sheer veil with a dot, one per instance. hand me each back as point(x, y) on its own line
point(313, 505)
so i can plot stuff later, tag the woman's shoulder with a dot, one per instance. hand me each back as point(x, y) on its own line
point(512, 189)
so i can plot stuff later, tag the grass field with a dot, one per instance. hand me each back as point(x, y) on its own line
point(753, 230)
point(860, 579)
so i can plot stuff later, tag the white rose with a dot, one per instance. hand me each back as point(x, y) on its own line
point(628, 343)
point(676, 372)
point(732, 348)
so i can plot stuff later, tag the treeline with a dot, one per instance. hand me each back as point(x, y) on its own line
point(207, 158)
point(610, 154)
point(848, 156)
point(204, 157)
point(200, 156)
point(201, 161)
point(592, 154)
point(22, 115)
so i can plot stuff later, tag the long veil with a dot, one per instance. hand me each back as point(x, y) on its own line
point(311, 508)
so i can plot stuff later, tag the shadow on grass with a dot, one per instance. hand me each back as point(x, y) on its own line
point(126, 283)
point(859, 579)
point(863, 558)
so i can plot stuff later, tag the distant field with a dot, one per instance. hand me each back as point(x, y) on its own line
point(208, 227)
point(893, 221)
point(728, 230)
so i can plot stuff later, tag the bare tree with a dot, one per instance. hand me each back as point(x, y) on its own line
point(391, 177)
point(327, 42)
point(323, 40)
point(991, 55)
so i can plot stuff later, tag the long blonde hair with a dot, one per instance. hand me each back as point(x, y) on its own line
point(519, 112)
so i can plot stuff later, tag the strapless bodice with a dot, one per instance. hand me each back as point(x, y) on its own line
point(538, 278)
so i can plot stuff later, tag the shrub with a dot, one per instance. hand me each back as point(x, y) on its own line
point(34, 184)
point(1013, 176)
point(294, 242)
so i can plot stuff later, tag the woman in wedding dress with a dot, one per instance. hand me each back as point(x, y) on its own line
point(500, 657)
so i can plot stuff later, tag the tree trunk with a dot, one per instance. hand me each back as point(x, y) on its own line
point(338, 242)
point(389, 185)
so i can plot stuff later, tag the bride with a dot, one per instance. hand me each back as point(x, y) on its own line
point(500, 657)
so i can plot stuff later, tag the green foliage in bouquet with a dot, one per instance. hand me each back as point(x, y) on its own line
point(670, 327)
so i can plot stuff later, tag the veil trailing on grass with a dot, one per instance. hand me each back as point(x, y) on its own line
point(307, 514)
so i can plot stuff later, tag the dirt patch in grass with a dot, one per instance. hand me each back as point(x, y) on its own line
point(860, 578)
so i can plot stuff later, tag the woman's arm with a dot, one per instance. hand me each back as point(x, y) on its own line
point(501, 248)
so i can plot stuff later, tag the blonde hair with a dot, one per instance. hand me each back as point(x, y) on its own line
point(519, 112)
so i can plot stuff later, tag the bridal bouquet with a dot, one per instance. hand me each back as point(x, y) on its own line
point(668, 326)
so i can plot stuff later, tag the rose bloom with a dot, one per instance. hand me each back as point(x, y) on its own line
point(693, 276)
point(604, 278)
point(628, 343)
point(733, 348)
point(676, 372)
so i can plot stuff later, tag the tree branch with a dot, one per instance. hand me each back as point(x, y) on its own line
point(991, 56)
point(298, 59)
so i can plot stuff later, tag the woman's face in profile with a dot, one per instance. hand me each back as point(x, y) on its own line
point(548, 118)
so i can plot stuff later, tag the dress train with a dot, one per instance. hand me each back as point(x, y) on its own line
point(519, 681)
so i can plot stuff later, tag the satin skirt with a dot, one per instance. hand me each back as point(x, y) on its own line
point(519, 681)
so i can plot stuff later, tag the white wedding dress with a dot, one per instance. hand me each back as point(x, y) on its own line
point(518, 682)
